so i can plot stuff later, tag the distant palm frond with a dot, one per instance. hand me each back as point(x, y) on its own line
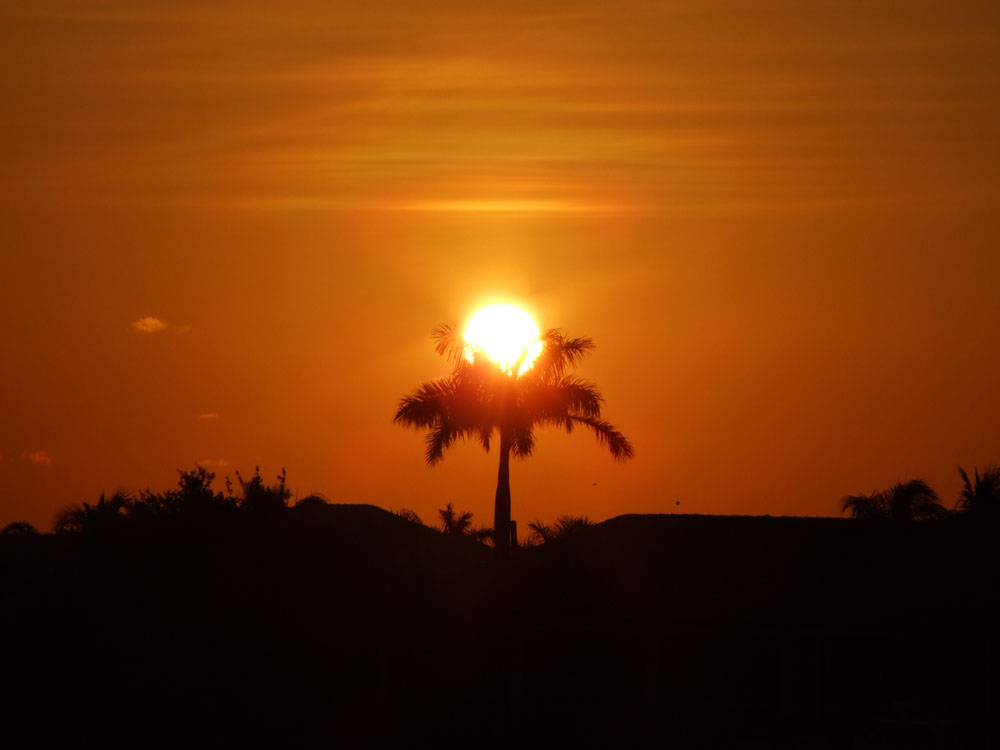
point(408, 515)
point(107, 514)
point(542, 531)
point(865, 506)
point(571, 524)
point(564, 526)
point(904, 501)
point(982, 496)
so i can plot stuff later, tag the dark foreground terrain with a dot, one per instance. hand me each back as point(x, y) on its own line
point(348, 626)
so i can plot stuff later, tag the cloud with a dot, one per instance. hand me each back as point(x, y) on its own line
point(39, 458)
point(181, 330)
point(148, 324)
point(209, 416)
point(216, 463)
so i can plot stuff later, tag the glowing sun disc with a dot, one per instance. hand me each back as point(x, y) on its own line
point(506, 334)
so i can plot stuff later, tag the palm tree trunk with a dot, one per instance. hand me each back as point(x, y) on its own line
point(501, 510)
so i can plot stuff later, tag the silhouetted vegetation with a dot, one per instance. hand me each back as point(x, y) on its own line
point(981, 497)
point(108, 514)
point(904, 501)
point(18, 528)
point(461, 524)
point(258, 497)
point(564, 526)
point(480, 401)
point(193, 504)
point(408, 515)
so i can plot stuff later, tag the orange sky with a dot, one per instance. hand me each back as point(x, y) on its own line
point(778, 223)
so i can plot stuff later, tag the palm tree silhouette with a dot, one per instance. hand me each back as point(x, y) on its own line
point(480, 400)
point(460, 524)
point(981, 497)
point(452, 523)
point(904, 501)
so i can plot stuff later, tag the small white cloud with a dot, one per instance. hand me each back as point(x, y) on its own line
point(216, 463)
point(39, 458)
point(148, 324)
point(209, 416)
point(181, 330)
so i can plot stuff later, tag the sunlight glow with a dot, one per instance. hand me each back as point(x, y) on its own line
point(506, 334)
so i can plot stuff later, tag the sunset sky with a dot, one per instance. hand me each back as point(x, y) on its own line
point(227, 230)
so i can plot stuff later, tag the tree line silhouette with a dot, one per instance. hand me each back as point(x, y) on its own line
point(916, 500)
point(200, 605)
point(193, 503)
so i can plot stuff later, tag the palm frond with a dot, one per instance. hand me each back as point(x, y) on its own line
point(407, 515)
point(449, 342)
point(566, 525)
point(607, 435)
point(482, 534)
point(438, 439)
point(427, 405)
point(913, 500)
point(68, 519)
point(904, 501)
point(541, 530)
point(560, 354)
point(523, 443)
point(485, 433)
point(552, 402)
point(983, 494)
point(872, 505)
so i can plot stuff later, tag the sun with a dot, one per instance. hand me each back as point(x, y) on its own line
point(506, 334)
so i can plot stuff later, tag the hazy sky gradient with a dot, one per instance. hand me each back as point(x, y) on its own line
point(778, 220)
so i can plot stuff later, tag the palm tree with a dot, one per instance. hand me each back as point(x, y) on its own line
point(452, 523)
point(480, 400)
point(904, 501)
point(460, 524)
point(981, 497)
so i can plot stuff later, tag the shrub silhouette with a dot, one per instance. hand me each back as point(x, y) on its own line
point(258, 497)
point(313, 500)
point(192, 503)
point(18, 528)
point(479, 400)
